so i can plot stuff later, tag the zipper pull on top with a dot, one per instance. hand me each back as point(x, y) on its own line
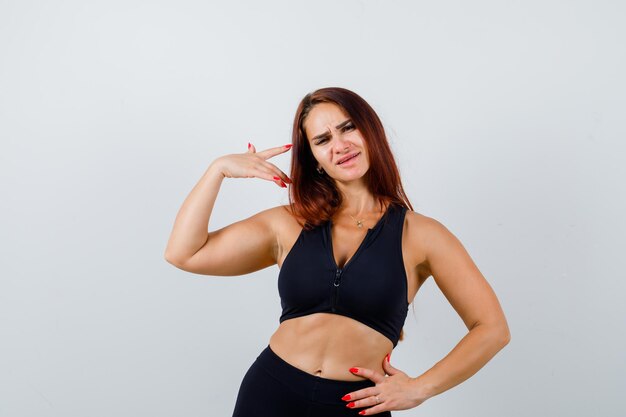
point(333, 300)
point(337, 278)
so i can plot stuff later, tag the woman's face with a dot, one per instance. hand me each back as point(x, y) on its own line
point(333, 137)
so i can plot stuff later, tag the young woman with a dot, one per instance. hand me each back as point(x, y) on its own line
point(352, 255)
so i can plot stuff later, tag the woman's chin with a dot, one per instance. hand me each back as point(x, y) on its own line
point(351, 177)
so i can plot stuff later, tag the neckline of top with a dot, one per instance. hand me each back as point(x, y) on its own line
point(331, 252)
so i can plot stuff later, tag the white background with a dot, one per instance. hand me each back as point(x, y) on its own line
point(507, 121)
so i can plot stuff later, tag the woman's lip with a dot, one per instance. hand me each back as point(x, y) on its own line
point(348, 160)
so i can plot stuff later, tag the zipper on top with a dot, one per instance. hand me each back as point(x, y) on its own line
point(339, 271)
point(335, 288)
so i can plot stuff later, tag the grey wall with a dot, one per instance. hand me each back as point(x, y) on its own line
point(507, 120)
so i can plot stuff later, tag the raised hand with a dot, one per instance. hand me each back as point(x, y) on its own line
point(254, 164)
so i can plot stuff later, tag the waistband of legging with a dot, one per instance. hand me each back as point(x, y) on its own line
point(325, 390)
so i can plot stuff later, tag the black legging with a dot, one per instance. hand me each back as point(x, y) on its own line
point(275, 388)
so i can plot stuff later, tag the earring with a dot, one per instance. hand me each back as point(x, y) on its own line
point(320, 170)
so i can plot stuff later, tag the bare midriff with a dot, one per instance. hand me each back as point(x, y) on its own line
point(328, 345)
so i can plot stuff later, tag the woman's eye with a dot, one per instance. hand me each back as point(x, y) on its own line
point(345, 128)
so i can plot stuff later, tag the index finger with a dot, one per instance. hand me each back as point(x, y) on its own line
point(268, 153)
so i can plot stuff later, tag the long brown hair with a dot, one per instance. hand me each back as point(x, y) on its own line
point(313, 196)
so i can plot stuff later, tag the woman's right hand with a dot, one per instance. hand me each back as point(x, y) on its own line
point(254, 164)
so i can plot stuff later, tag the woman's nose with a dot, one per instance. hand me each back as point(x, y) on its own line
point(341, 144)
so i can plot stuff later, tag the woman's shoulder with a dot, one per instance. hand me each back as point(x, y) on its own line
point(280, 217)
point(417, 218)
point(429, 233)
point(423, 235)
point(422, 228)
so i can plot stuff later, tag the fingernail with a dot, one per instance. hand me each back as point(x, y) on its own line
point(346, 397)
point(288, 146)
point(350, 405)
point(362, 412)
point(249, 145)
point(282, 184)
point(276, 178)
point(354, 370)
point(388, 357)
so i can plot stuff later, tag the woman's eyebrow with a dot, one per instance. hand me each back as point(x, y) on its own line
point(325, 134)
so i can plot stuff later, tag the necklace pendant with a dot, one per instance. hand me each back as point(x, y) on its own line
point(359, 223)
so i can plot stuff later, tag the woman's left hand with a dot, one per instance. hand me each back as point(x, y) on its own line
point(395, 392)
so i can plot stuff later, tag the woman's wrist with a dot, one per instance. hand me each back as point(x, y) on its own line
point(422, 390)
point(215, 168)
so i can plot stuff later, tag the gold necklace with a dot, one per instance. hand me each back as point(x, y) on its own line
point(358, 222)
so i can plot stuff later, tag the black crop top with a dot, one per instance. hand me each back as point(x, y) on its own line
point(371, 287)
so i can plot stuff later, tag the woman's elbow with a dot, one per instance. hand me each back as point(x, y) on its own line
point(504, 335)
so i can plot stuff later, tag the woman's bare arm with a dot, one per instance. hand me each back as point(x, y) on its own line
point(190, 231)
point(469, 293)
point(242, 247)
